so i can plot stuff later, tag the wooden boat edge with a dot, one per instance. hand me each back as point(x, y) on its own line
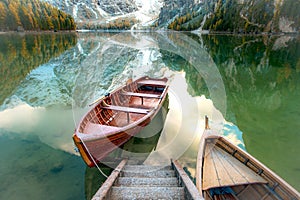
point(93, 137)
point(265, 173)
point(82, 149)
point(84, 155)
point(81, 146)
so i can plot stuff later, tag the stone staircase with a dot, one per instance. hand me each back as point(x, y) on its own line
point(130, 181)
point(146, 182)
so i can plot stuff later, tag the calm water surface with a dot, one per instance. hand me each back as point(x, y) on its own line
point(248, 86)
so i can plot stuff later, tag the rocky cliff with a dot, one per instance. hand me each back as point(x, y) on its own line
point(98, 14)
point(238, 16)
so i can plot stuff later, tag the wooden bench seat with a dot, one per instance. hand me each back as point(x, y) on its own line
point(92, 128)
point(142, 95)
point(221, 170)
point(152, 82)
point(127, 109)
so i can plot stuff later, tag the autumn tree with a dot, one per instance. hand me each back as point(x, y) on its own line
point(3, 14)
point(32, 15)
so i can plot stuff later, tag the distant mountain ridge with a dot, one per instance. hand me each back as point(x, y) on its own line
point(96, 14)
point(239, 16)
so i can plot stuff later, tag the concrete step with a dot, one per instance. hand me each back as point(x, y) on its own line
point(130, 193)
point(136, 160)
point(148, 174)
point(150, 182)
point(145, 168)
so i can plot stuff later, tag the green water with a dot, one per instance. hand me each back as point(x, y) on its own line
point(263, 91)
point(248, 84)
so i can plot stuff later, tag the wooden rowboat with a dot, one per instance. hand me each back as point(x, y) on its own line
point(224, 171)
point(118, 116)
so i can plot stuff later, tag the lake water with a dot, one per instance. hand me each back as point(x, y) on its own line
point(249, 87)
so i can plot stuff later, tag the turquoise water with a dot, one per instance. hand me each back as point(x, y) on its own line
point(248, 86)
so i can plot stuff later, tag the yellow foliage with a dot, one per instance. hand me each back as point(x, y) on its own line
point(33, 14)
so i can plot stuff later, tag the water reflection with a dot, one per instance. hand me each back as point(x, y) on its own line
point(21, 53)
point(120, 57)
point(184, 124)
point(33, 170)
point(260, 76)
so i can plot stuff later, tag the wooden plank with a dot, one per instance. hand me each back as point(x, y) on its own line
point(103, 191)
point(92, 128)
point(190, 186)
point(152, 82)
point(222, 169)
point(127, 109)
point(210, 176)
point(235, 175)
point(243, 171)
point(143, 95)
point(229, 171)
point(249, 193)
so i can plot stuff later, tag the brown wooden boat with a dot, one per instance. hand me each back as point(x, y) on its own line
point(224, 171)
point(118, 116)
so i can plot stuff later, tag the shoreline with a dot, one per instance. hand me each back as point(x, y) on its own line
point(193, 32)
point(36, 32)
point(144, 31)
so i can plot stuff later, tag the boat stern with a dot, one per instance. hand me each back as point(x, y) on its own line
point(83, 151)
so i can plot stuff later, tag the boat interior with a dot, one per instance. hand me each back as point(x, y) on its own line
point(124, 106)
point(229, 174)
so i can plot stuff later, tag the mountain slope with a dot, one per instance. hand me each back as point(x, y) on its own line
point(97, 13)
point(33, 15)
point(239, 16)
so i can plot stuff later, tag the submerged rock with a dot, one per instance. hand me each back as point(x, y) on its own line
point(58, 167)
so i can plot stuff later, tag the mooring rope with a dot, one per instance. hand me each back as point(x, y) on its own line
point(94, 160)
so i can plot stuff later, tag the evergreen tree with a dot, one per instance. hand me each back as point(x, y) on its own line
point(33, 15)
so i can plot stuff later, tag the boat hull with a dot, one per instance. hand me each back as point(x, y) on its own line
point(117, 117)
point(96, 150)
point(223, 166)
